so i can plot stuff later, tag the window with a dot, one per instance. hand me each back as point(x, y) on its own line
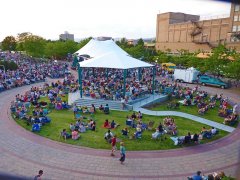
point(234, 29)
point(238, 29)
point(237, 8)
point(235, 18)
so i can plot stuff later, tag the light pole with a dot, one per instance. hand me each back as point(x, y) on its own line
point(3, 72)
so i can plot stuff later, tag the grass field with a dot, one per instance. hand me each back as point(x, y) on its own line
point(61, 119)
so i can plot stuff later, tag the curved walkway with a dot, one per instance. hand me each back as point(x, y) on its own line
point(187, 116)
point(24, 153)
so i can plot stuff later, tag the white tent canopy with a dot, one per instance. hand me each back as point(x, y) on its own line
point(96, 48)
point(114, 60)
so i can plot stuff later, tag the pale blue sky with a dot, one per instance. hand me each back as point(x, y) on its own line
point(115, 18)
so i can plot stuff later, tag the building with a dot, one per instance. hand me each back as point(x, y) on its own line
point(104, 38)
point(66, 36)
point(176, 31)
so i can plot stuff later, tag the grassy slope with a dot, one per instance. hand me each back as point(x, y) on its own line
point(211, 114)
point(62, 119)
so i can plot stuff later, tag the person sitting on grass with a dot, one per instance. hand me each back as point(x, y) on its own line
point(195, 138)
point(187, 138)
point(125, 131)
point(106, 109)
point(101, 108)
point(72, 127)
point(139, 115)
point(205, 133)
point(106, 124)
point(89, 125)
point(108, 136)
point(75, 135)
point(93, 126)
point(134, 116)
point(138, 133)
point(213, 131)
point(230, 118)
point(85, 110)
point(82, 128)
point(114, 125)
point(65, 135)
point(201, 111)
point(156, 134)
point(77, 124)
point(36, 127)
point(92, 109)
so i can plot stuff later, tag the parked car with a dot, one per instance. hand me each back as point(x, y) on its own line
point(208, 80)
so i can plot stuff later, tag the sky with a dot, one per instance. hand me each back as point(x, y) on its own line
point(115, 18)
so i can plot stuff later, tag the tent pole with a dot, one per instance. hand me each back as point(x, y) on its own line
point(80, 80)
point(124, 82)
point(153, 80)
point(139, 74)
point(75, 59)
point(93, 72)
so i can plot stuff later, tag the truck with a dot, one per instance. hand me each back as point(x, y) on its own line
point(189, 75)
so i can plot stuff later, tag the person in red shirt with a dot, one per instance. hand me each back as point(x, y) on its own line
point(113, 143)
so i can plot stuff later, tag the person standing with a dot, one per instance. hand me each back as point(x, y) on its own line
point(38, 177)
point(122, 152)
point(113, 143)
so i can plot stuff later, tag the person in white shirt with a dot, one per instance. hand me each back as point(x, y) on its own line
point(213, 130)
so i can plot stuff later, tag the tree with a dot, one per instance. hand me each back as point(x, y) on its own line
point(123, 43)
point(9, 43)
point(34, 45)
point(21, 40)
point(233, 70)
point(140, 42)
point(218, 60)
point(60, 49)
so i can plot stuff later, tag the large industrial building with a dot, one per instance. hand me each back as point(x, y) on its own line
point(176, 31)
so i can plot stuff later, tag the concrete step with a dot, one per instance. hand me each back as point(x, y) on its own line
point(113, 105)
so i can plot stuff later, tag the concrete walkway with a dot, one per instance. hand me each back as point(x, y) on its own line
point(187, 116)
point(159, 98)
point(23, 153)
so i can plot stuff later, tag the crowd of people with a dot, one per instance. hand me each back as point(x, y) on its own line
point(30, 70)
point(99, 83)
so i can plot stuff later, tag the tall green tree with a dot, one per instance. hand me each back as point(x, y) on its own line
point(21, 37)
point(9, 43)
point(34, 45)
point(60, 49)
point(233, 70)
point(219, 59)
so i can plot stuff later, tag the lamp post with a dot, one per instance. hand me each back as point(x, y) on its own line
point(3, 71)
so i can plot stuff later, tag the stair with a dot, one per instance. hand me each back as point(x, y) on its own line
point(211, 45)
point(113, 105)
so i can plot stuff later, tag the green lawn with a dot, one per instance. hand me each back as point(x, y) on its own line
point(61, 119)
point(211, 114)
